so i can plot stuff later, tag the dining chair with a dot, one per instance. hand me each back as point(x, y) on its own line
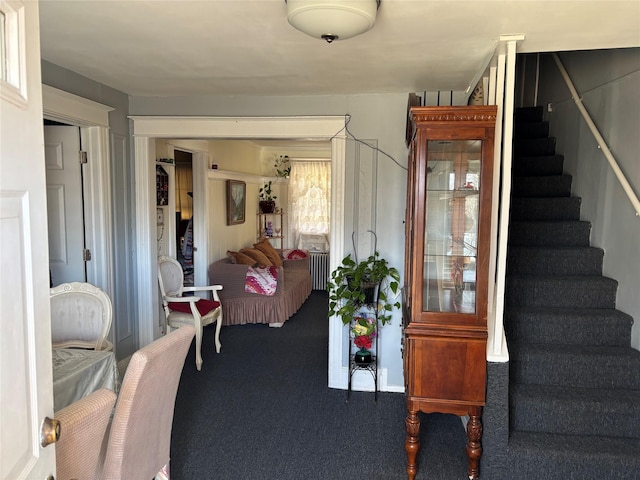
point(81, 316)
point(182, 310)
point(136, 444)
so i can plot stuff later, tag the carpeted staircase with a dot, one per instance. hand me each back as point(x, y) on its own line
point(574, 379)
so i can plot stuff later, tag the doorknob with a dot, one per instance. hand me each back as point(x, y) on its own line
point(49, 432)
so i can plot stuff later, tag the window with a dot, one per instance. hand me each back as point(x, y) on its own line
point(12, 52)
point(310, 204)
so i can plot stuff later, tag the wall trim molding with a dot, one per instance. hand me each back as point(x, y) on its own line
point(66, 107)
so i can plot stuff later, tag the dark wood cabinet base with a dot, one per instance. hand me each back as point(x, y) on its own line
point(474, 446)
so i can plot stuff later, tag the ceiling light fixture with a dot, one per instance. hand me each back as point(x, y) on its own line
point(332, 19)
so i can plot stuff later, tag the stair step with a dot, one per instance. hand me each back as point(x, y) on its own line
point(559, 208)
point(568, 326)
point(522, 260)
point(579, 291)
point(538, 165)
point(546, 186)
point(575, 411)
point(550, 233)
point(535, 456)
point(575, 366)
point(533, 129)
point(534, 146)
point(528, 114)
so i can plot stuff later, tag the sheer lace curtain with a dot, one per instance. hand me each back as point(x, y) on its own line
point(310, 204)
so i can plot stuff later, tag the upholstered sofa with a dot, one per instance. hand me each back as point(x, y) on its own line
point(240, 307)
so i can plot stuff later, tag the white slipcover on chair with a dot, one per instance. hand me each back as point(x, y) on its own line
point(136, 444)
point(192, 310)
point(81, 316)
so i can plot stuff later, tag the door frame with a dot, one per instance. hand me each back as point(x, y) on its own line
point(199, 167)
point(93, 120)
point(146, 129)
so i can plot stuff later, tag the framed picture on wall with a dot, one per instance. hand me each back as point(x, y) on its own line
point(236, 201)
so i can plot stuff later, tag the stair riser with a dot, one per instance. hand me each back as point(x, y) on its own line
point(528, 114)
point(574, 418)
point(563, 292)
point(531, 130)
point(568, 329)
point(538, 166)
point(566, 465)
point(568, 234)
point(547, 186)
point(581, 372)
point(534, 146)
point(560, 208)
point(547, 262)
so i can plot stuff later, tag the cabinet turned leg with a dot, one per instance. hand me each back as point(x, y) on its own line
point(474, 448)
point(412, 443)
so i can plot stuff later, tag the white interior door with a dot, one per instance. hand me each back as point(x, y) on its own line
point(26, 396)
point(64, 204)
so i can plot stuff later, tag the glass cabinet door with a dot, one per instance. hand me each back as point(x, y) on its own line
point(451, 225)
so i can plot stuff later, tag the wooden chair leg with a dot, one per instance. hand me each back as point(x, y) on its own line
point(217, 335)
point(198, 345)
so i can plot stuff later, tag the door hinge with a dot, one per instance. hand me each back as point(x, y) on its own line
point(86, 254)
point(83, 156)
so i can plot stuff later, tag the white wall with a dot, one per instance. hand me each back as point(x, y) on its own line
point(373, 117)
point(608, 82)
point(237, 156)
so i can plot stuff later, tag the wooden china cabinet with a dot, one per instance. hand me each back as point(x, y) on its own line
point(447, 238)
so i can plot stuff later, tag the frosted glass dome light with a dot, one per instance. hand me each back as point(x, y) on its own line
point(332, 20)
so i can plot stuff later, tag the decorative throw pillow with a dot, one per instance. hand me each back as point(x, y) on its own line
point(257, 255)
point(241, 258)
point(295, 254)
point(265, 247)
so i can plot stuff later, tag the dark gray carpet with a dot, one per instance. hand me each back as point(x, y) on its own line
point(574, 403)
point(261, 409)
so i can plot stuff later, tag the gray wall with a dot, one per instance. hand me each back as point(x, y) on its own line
point(379, 118)
point(123, 198)
point(608, 82)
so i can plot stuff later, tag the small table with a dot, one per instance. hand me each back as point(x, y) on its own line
point(77, 373)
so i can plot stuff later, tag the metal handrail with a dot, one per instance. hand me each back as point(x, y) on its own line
point(601, 142)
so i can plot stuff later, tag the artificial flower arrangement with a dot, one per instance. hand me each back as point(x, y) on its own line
point(364, 331)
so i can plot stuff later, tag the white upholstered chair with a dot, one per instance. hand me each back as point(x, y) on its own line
point(181, 310)
point(136, 444)
point(81, 316)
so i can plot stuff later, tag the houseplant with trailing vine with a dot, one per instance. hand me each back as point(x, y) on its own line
point(354, 284)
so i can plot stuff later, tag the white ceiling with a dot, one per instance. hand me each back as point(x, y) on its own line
point(168, 48)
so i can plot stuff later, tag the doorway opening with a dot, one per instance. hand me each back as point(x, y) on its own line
point(145, 132)
point(184, 214)
point(68, 253)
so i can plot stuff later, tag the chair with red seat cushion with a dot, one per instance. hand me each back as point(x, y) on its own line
point(180, 310)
